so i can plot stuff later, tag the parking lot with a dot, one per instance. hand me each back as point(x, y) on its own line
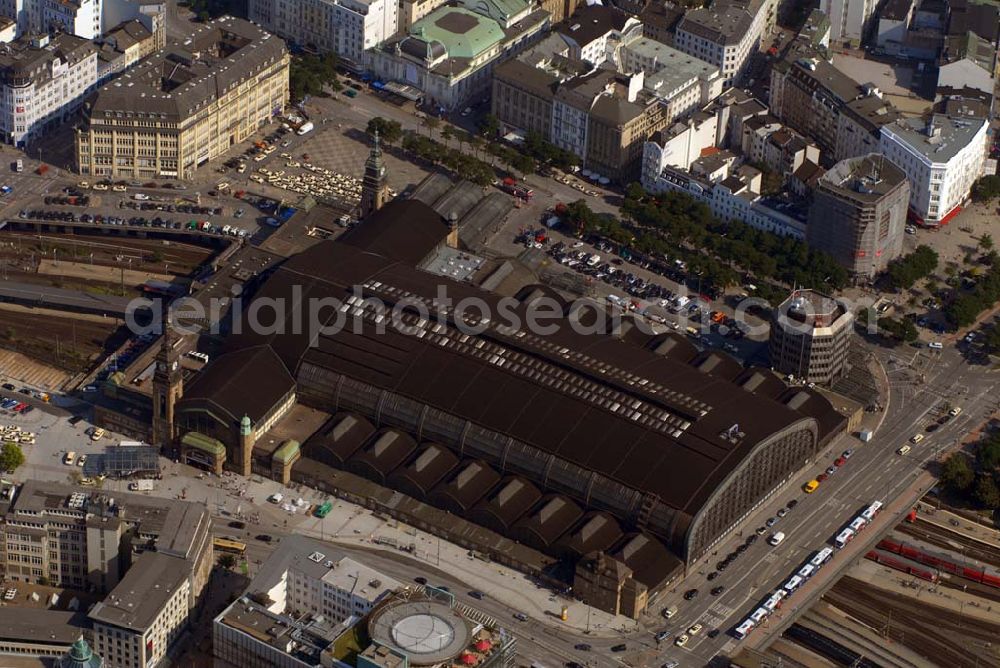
point(650, 288)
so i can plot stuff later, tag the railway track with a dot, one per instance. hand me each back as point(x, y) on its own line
point(950, 540)
point(938, 635)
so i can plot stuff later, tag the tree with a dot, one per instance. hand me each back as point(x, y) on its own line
point(227, 561)
point(388, 131)
point(986, 492)
point(992, 339)
point(988, 455)
point(489, 126)
point(524, 164)
point(447, 134)
point(309, 74)
point(986, 189)
point(902, 329)
point(771, 182)
point(905, 271)
point(476, 143)
point(986, 243)
point(11, 456)
point(431, 123)
point(956, 473)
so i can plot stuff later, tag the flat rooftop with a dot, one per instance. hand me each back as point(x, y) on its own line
point(938, 140)
point(304, 639)
point(140, 596)
point(725, 22)
point(809, 305)
point(174, 522)
point(44, 626)
point(672, 69)
point(867, 179)
point(362, 581)
point(453, 263)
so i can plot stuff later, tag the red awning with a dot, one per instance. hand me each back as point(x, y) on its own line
point(483, 646)
point(469, 659)
point(951, 214)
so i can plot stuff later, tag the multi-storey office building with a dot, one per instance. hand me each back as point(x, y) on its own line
point(185, 105)
point(858, 214)
point(345, 27)
point(810, 336)
point(942, 157)
point(151, 556)
point(725, 34)
point(43, 81)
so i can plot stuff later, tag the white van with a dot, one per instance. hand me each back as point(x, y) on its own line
point(670, 611)
point(69, 458)
point(935, 345)
point(775, 539)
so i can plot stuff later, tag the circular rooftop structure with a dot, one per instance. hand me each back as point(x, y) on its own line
point(426, 631)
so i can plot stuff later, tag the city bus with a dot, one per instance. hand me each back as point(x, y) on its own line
point(230, 546)
point(323, 510)
point(744, 629)
point(843, 538)
point(821, 557)
point(871, 511)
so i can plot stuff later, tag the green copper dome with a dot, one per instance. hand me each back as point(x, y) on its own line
point(81, 656)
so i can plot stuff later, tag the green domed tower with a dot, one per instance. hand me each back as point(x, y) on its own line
point(81, 656)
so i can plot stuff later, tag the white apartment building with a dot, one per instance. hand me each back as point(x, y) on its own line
point(732, 198)
point(941, 157)
point(682, 81)
point(88, 19)
point(344, 588)
point(139, 621)
point(569, 128)
point(594, 33)
point(849, 19)
point(725, 34)
point(8, 30)
point(345, 27)
point(77, 17)
point(45, 80)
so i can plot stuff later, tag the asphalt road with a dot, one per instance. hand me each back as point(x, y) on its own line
point(874, 472)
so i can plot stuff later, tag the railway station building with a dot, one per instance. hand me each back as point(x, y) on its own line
point(594, 448)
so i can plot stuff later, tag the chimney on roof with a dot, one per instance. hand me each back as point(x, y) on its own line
point(452, 239)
